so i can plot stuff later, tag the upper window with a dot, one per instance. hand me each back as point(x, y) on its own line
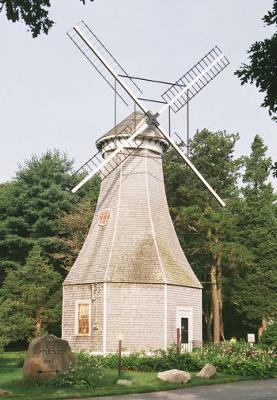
point(104, 217)
point(83, 318)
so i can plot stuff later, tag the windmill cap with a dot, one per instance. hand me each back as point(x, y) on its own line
point(126, 128)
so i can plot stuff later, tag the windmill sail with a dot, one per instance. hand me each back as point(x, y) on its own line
point(217, 62)
point(149, 117)
point(83, 37)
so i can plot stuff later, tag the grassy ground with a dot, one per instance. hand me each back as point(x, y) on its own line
point(11, 381)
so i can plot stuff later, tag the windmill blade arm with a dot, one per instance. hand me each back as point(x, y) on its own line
point(142, 125)
point(190, 164)
point(107, 66)
point(173, 101)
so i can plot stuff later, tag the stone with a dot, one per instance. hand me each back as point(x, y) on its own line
point(124, 382)
point(174, 376)
point(207, 372)
point(4, 393)
point(46, 356)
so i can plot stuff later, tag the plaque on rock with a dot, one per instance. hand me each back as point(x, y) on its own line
point(46, 356)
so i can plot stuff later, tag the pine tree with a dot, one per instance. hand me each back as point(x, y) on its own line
point(31, 206)
point(255, 291)
point(30, 299)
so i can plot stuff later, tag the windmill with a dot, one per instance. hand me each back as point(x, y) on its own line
point(131, 276)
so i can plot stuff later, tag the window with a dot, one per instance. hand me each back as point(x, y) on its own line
point(104, 217)
point(83, 316)
point(184, 330)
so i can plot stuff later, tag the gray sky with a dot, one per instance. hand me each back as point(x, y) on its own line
point(51, 97)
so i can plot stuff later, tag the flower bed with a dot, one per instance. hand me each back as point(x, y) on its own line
point(229, 358)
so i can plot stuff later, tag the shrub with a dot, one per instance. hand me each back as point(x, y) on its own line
point(87, 372)
point(239, 358)
point(20, 360)
point(231, 358)
point(84, 377)
point(3, 342)
point(269, 337)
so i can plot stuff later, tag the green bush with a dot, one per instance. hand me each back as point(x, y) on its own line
point(239, 358)
point(269, 337)
point(84, 377)
point(87, 372)
point(20, 360)
point(231, 358)
point(3, 342)
point(85, 360)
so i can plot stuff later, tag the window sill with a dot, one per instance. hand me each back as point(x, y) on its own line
point(84, 335)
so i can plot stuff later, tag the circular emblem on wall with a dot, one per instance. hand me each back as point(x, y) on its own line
point(104, 217)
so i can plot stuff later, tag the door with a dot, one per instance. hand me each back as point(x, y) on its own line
point(184, 322)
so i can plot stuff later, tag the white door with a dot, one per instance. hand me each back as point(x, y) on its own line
point(184, 321)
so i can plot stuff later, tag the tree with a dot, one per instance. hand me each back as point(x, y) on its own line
point(262, 69)
point(30, 299)
point(73, 227)
point(34, 13)
point(254, 291)
point(31, 206)
point(205, 230)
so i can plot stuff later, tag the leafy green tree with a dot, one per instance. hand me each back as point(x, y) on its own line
point(205, 230)
point(262, 69)
point(31, 205)
point(73, 227)
point(30, 299)
point(34, 13)
point(254, 292)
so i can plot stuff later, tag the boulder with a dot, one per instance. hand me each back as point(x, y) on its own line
point(207, 372)
point(124, 382)
point(4, 393)
point(174, 376)
point(46, 356)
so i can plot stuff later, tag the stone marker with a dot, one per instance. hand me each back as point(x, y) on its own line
point(46, 356)
point(124, 382)
point(174, 376)
point(4, 393)
point(207, 372)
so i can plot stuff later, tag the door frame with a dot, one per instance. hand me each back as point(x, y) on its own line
point(185, 312)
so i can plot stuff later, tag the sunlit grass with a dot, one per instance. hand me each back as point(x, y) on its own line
point(11, 381)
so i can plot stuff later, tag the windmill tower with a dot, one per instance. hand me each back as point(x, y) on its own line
point(131, 276)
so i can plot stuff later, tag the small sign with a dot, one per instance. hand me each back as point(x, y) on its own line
point(251, 337)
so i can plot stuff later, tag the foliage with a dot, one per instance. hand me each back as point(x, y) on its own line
point(262, 69)
point(254, 289)
point(34, 13)
point(81, 377)
point(83, 359)
point(11, 380)
point(31, 206)
point(269, 337)
point(73, 227)
point(230, 358)
point(30, 299)
point(206, 230)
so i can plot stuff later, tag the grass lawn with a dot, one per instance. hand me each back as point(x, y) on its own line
point(11, 375)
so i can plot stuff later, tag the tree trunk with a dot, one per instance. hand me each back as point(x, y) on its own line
point(216, 309)
point(262, 328)
point(208, 317)
point(38, 327)
point(220, 300)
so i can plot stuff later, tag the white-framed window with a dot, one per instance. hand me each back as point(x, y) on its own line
point(83, 318)
point(184, 321)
